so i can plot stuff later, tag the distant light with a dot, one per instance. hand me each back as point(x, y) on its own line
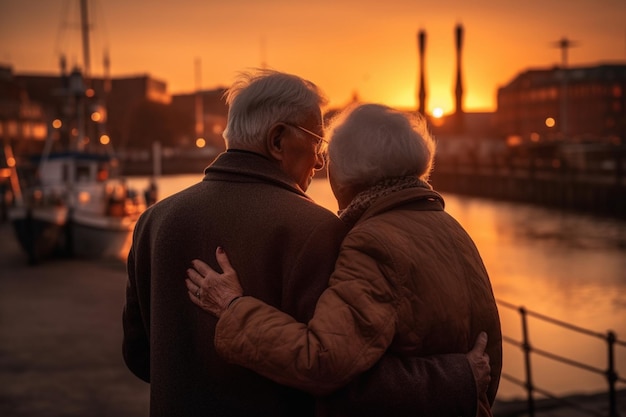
point(550, 122)
point(90, 92)
point(96, 116)
point(200, 142)
point(105, 139)
point(437, 112)
point(84, 197)
point(514, 140)
point(57, 123)
point(10, 162)
point(534, 137)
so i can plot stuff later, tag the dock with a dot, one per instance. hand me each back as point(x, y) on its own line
point(61, 336)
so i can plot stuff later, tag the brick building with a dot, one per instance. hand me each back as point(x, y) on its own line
point(574, 104)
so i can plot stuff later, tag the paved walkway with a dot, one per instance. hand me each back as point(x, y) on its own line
point(60, 339)
point(584, 406)
point(60, 343)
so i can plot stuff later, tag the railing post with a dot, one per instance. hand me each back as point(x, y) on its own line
point(526, 347)
point(611, 375)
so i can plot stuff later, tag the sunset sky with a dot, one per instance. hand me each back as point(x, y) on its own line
point(367, 47)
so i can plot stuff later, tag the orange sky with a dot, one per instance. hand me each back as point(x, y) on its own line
point(345, 46)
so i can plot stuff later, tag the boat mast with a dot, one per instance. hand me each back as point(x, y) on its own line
point(84, 27)
point(84, 129)
point(199, 111)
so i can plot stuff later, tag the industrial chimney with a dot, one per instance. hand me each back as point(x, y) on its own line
point(421, 38)
point(458, 112)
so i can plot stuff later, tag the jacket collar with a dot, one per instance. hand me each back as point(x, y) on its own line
point(241, 165)
point(402, 198)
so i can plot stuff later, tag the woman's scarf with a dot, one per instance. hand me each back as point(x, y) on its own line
point(362, 201)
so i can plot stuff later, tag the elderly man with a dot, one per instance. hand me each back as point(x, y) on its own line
point(252, 200)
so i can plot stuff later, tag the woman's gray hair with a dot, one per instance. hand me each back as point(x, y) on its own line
point(259, 98)
point(372, 142)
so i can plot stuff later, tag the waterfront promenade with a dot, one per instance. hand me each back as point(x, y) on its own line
point(60, 337)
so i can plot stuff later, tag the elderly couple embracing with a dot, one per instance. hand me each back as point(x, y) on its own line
point(245, 298)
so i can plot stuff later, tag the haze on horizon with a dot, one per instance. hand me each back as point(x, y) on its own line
point(348, 47)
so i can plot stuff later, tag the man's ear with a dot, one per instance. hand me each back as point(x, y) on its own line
point(274, 141)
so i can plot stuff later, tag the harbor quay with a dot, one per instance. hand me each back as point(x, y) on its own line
point(61, 335)
point(61, 338)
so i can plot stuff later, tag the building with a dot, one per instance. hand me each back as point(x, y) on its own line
point(124, 115)
point(134, 106)
point(575, 104)
point(34, 107)
point(210, 113)
point(22, 117)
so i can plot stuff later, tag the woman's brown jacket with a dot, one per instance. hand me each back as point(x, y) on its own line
point(408, 279)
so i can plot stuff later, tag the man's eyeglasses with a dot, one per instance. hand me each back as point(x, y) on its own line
point(320, 145)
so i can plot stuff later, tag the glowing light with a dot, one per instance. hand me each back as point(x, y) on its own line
point(96, 116)
point(200, 142)
point(10, 162)
point(534, 137)
point(550, 122)
point(90, 92)
point(57, 123)
point(514, 141)
point(84, 197)
point(105, 139)
point(437, 112)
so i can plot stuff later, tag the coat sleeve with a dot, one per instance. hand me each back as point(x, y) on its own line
point(136, 343)
point(353, 324)
point(440, 385)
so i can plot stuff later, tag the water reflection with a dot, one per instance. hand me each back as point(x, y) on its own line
point(566, 266)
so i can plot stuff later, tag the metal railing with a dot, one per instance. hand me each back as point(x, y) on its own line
point(610, 373)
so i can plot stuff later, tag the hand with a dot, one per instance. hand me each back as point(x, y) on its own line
point(209, 290)
point(479, 362)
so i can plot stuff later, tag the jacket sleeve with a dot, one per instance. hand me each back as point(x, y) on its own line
point(440, 385)
point(136, 343)
point(353, 324)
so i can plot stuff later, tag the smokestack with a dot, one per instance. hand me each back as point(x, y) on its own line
point(458, 113)
point(421, 37)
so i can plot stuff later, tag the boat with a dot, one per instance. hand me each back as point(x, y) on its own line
point(78, 207)
point(71, 199)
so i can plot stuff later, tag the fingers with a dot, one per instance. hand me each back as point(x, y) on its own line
point(194, 276)
point(222, 260)
point(191, 286)
point(194, 299)
point(211, 290)
point(203, 268)
point(192, 291)
point(481, 343)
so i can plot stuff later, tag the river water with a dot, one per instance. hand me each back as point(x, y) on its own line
point(566, 266)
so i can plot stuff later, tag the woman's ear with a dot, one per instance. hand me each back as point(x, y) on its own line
point(274, 141)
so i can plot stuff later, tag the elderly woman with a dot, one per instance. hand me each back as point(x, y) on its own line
point(408, 279)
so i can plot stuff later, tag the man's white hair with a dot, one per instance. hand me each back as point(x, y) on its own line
point(259, 98)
